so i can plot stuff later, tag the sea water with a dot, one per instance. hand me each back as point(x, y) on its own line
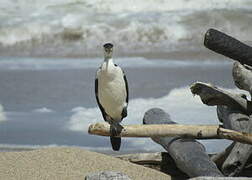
point(50, 51)
point(51, 102)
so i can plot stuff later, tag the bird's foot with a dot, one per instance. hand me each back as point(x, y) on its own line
point(116, 129)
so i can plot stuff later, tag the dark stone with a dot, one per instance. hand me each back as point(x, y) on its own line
point(188, 154)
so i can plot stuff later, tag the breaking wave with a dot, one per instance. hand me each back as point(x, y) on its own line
point(43, 110)
point(79, 28)
point(175, 103)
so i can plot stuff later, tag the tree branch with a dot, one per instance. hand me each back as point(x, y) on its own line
point(171, 130)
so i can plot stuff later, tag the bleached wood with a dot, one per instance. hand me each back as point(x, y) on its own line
point(240, 153)
point(170, 130)
point(242, 75)
point(189, 155)
point(211, 96)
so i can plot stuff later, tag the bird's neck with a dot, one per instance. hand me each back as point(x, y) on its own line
point(108, 58)
point(109, 62)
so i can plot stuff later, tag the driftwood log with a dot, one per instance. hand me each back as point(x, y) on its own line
point(163, 162)
point(211, 96)
point(171, 130)
point(240, 153)
point(220, 157)
point(188, 154)
point(228, 46)
point(231, 112)
point(242, 75)
point(160, 161)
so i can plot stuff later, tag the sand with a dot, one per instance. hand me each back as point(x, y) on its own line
point(67, 163)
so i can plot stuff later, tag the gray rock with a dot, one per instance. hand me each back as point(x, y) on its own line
point(107, 175)
point(220, 178)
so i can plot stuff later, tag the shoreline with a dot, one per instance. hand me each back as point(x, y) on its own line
point(105, 151)
point(183, 55)
point(76, 163)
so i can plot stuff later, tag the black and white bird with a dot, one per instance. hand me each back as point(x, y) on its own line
point(111, 90)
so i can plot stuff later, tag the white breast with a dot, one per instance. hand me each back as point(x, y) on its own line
point(112, 90)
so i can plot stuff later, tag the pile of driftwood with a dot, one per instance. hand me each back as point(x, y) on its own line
point(233, 110)
point(185, 156)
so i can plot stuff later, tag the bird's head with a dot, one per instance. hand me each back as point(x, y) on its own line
point(108, 50)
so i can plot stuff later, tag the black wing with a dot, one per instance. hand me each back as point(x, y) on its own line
point(97, 100)
point(124, 112)
point(126, 85)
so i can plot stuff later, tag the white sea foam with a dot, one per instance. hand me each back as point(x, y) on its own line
point(82, 117)
point(25, 147)
point(175, 103)
point(43, 110)
point(18, 147)
point(67, 27)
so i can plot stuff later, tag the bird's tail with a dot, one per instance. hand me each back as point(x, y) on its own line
point(115, 142)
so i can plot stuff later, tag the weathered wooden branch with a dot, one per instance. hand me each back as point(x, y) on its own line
point(232, 109)
point(240, 153)
point(142, 158)
point(232, 119)
point(171, 130)
point(242, 75)
point(211, 95)
point(188, 154)
point(228, 46)
point(161, 161)
point(220, 157)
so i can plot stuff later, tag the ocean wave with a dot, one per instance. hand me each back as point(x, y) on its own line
point(82, 118)
point(107, 150)
point(136, 144)
point(43, 110)
point(175, 103)
point(70, 28)
point(23, 147)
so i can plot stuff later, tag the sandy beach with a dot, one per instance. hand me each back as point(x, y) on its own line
point(67, 163)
